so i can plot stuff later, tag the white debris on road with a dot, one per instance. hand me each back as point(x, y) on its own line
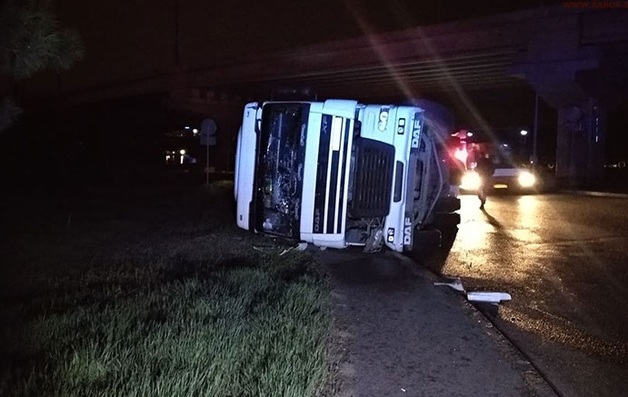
point(454, 283)
point(488, 297)
point(475, 296)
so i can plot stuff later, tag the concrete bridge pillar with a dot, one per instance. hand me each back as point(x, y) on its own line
point(564, 73)
point(581, 138)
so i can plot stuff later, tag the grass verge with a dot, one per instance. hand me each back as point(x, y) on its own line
point(152, 293)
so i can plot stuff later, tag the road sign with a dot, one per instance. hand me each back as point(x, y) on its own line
point(208, 132)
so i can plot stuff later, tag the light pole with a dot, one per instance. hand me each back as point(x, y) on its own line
point(534, 158)
point(524, 140)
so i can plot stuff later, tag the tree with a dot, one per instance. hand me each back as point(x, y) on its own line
point(31, 40)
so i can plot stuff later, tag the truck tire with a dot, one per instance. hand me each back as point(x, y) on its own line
point(447, 205)
point(425, 240)
point(445, 222)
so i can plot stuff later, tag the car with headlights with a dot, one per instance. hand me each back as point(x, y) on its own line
point(522, 180)
point(510, 174)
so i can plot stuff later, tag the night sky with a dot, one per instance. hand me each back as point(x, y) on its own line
point(126, 40)
point(131, 39)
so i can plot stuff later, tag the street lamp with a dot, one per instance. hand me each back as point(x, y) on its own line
point(524, 142)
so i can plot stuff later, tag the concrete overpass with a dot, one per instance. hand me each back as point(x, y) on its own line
point(575, 58)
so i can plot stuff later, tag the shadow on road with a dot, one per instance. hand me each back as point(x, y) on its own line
point(492, 220)
point(432, 247)
point(353, 267)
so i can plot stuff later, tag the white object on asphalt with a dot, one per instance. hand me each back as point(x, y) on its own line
point(455, 284)
point(489, 297)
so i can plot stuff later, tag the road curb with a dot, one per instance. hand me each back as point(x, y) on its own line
point(596, 193)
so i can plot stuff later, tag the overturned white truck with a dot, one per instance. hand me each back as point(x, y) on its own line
point(340, 173)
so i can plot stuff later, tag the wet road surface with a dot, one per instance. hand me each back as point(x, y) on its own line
point(564, 260)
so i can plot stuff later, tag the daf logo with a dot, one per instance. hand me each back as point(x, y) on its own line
point(317, 220)
point(415, 138)
point(383, 119)
point(407, 231)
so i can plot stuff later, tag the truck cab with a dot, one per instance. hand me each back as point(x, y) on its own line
point(340, 173)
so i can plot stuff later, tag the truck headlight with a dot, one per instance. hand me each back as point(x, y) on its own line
point(526, 179)
point(470, 181)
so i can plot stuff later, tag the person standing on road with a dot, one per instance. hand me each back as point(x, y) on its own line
point(485, 169)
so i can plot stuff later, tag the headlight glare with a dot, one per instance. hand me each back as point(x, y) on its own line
point(526, 179)
point(470, 181)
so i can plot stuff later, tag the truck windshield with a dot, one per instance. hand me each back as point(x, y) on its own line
point(280, 168)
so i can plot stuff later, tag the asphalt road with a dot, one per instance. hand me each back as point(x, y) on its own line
point(564, 260)
point(398, 334)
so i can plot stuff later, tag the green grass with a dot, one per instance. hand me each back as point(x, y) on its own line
point(153, 293)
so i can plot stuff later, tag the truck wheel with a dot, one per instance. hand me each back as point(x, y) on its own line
point(425, 240)
point(447, 205)
point(447, 226)
point(446, 222)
